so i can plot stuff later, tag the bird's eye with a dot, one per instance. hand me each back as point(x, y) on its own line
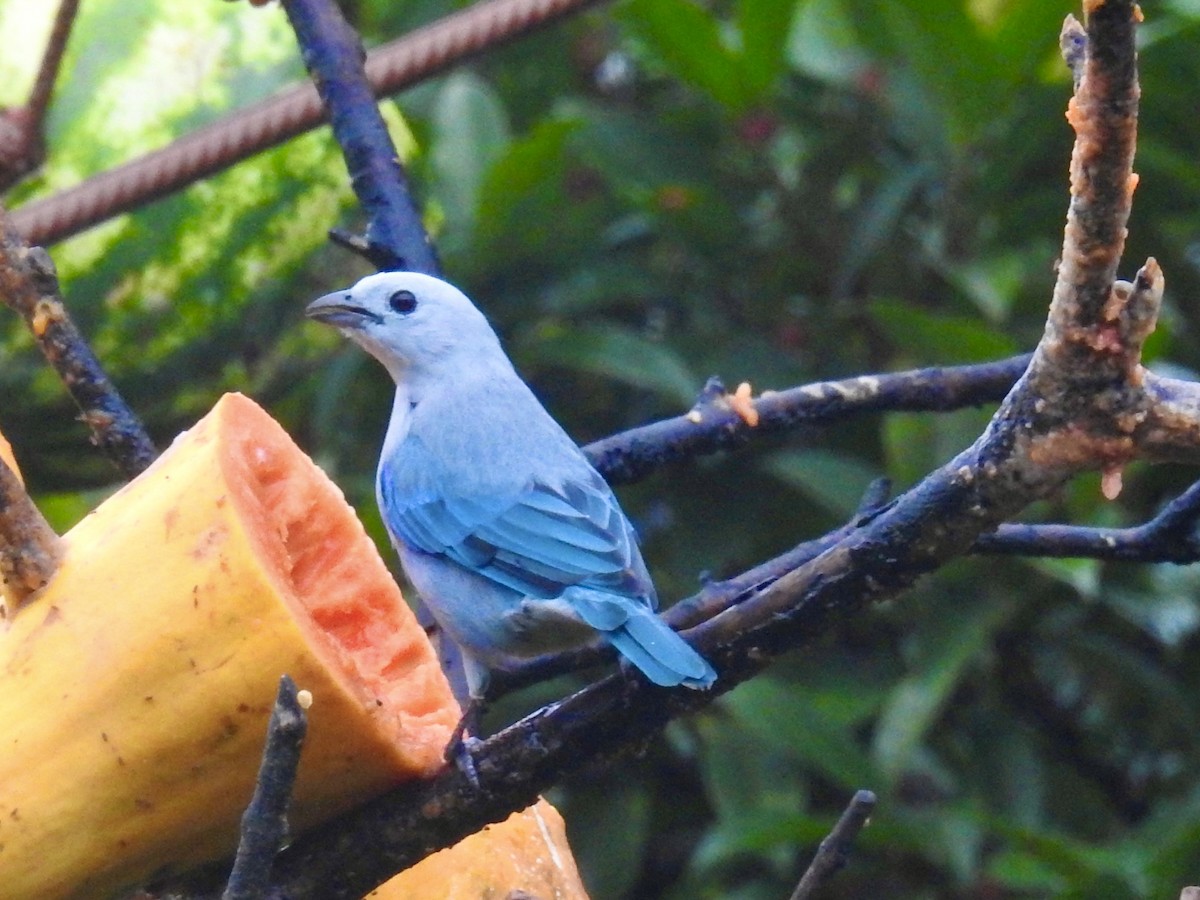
point(403, 302)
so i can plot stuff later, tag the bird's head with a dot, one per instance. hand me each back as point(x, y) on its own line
point(408, 321)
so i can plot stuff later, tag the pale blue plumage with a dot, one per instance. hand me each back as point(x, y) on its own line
point(513, 540)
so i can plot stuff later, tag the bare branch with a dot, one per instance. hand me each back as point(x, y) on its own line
point(29, 286)
point(30, 550)
point(334, 56)
point(713, 425)
point(1171, 536)
point(834, 850)
point(22, 131)
point(264, 824)
point(47, 76)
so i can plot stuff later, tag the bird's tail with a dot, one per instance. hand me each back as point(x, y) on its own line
point(645, 640)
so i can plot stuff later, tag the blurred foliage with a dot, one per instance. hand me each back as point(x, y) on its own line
point(770, 190)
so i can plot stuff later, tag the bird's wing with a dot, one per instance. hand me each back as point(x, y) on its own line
point(538, 540)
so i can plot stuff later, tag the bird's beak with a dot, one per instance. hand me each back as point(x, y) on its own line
point(339, 310)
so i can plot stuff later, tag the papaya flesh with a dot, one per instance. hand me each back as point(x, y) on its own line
point(135, 687)
point(525, 855)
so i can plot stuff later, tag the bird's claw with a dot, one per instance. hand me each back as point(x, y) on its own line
point(460, 752)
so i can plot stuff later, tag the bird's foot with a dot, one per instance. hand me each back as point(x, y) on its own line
point(458, 751)
point(461, 753)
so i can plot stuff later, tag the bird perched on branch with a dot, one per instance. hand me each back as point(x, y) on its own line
point(516, 544)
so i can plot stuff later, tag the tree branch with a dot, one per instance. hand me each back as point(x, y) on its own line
point(1171, 536)
point(396, 236)
point(29, 286)
point(22, 128)
point(47, 76)
point(30, 550)
point(334, 57)
point(834, 850)
point(264, 824)
point(713, 425)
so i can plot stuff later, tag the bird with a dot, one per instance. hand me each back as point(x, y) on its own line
point(513, 540)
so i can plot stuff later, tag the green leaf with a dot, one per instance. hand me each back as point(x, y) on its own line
point(1090, 870)
point(470, 132)
point(942, 45)
point(524, 212)
point(764, 27)
point(879, 221)
point(914, 443)
point(637, 154)
point(1168, 609)
point(688, 40)
point(822, 42)
point(952, 640)
point(1027, 30)
point(743, 775)
point(993, 283)
point(613, 352)
point(607, 827)
point(929, 337)
point(1082, 575)
point(1018, 870)
point(1169, 839)
point(836, 482)
point(145, 72)
point(64, 510)
point(758, 832)
point(786, 718)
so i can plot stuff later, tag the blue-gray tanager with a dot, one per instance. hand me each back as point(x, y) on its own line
point(513, 540)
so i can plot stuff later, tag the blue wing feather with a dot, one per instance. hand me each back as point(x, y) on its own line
point(536, 540)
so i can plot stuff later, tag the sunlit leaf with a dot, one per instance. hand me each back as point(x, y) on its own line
point(689, 42)
point(822, 42)
point(470, 133)
point(764, 26)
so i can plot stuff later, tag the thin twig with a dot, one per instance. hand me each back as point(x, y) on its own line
point(30, 550)
point(22, 131)
point(47, 76)
point(712, 425)
point(264, 824)
point(1171, 536)
point(835, 849)
point(333, 53)
point(29, 286)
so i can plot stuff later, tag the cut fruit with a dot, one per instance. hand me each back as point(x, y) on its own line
point(526, 855)
point(135, 689)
